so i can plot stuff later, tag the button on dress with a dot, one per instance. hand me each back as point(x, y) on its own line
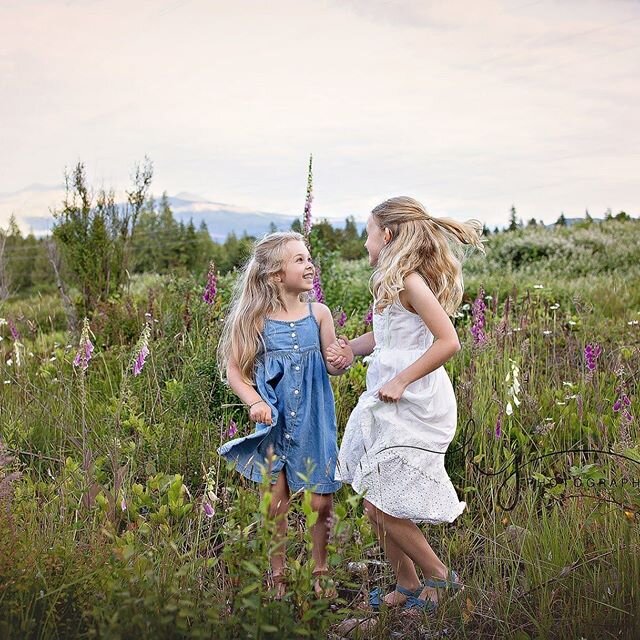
point(291, 377)
point(393, 453)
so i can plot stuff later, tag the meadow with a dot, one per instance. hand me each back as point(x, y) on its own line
point(119, 520)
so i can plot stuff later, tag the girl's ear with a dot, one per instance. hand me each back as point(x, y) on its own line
point(387, 235)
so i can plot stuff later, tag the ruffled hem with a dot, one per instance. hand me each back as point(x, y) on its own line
point(397, 488)
point(405, 480)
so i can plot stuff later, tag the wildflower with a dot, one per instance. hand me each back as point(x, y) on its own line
point(211, 288)
point(208, 509)
point(318, 293)
point(232, 430)
point(368, 318)
point(622, 404)
point(554, 307)
point(123, 504)
point(15, 334)
point(306, 225)
point(85, 348)
point(478, 321)
point(633, 323)
point(513, 376)
point(538, 286)
point(342, 318)
point(546, 332)
point(142, 350)
point(498, 431)
point(591, 354)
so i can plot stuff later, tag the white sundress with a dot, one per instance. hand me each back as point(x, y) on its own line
point(393, 452)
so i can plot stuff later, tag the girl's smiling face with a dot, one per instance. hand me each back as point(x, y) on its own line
point(297, 271)
point(376, 239)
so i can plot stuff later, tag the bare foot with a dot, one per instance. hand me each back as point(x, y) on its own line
point(323, 585)
point(279, 581)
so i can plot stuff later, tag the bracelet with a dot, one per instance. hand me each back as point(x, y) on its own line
point(256, 402)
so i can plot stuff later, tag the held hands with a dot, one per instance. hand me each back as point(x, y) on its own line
point(260, 412)
point(392, 391)
point(339, 354)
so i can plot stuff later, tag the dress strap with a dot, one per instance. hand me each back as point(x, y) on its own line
point(310, 309)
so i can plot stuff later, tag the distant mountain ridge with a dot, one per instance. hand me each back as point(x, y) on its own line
point(32, 208)
point(222, 219)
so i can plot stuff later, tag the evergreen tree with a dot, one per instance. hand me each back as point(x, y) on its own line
point(513, 220)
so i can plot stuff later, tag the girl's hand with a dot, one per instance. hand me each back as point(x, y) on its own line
point(260, 412)
point(392, 391)
point(339, 354)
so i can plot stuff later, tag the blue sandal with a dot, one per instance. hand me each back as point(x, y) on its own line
point(429, 606)
point(376, 595)
point(414, 602)
point(452, 582)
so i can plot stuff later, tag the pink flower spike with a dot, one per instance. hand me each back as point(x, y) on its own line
point(209, 511)
point(211, 287)
point(233, 429)
point(85, 348)
point(140, 360)
point(123, 504)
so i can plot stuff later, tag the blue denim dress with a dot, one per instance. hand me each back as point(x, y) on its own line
point(291, 377)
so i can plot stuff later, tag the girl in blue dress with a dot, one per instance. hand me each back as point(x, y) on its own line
point(272, 351)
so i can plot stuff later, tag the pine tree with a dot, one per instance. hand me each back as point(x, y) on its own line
point(513, 220)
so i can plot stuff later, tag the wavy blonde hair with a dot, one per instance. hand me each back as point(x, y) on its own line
point(432, 247)
point(256, 295)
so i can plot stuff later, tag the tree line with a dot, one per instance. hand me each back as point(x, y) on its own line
point(97, 243)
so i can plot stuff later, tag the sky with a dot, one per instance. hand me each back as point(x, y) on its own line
point(470, 107)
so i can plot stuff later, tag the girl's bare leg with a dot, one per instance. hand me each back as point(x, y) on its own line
point(407, 538)
point(278, 510)
point(323, 505)
point(403, 568)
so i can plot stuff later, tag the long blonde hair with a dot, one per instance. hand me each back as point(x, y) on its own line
point(256, 295)
point(432, 247)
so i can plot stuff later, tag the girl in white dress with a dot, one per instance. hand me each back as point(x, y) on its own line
point(396, 437)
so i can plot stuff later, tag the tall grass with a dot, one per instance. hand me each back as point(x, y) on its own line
point(104, 475)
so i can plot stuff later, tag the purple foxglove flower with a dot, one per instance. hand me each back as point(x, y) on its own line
point(15, 334)
point(478, 320)
point(140, 360)
point(498, 431)
point(211, 287)
point(142, 349)
point(318, 293)
point(232, 430)
point(208, 509)
point(85, 348)
point(368, 318)
point(342, 319)
point(592, 352)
